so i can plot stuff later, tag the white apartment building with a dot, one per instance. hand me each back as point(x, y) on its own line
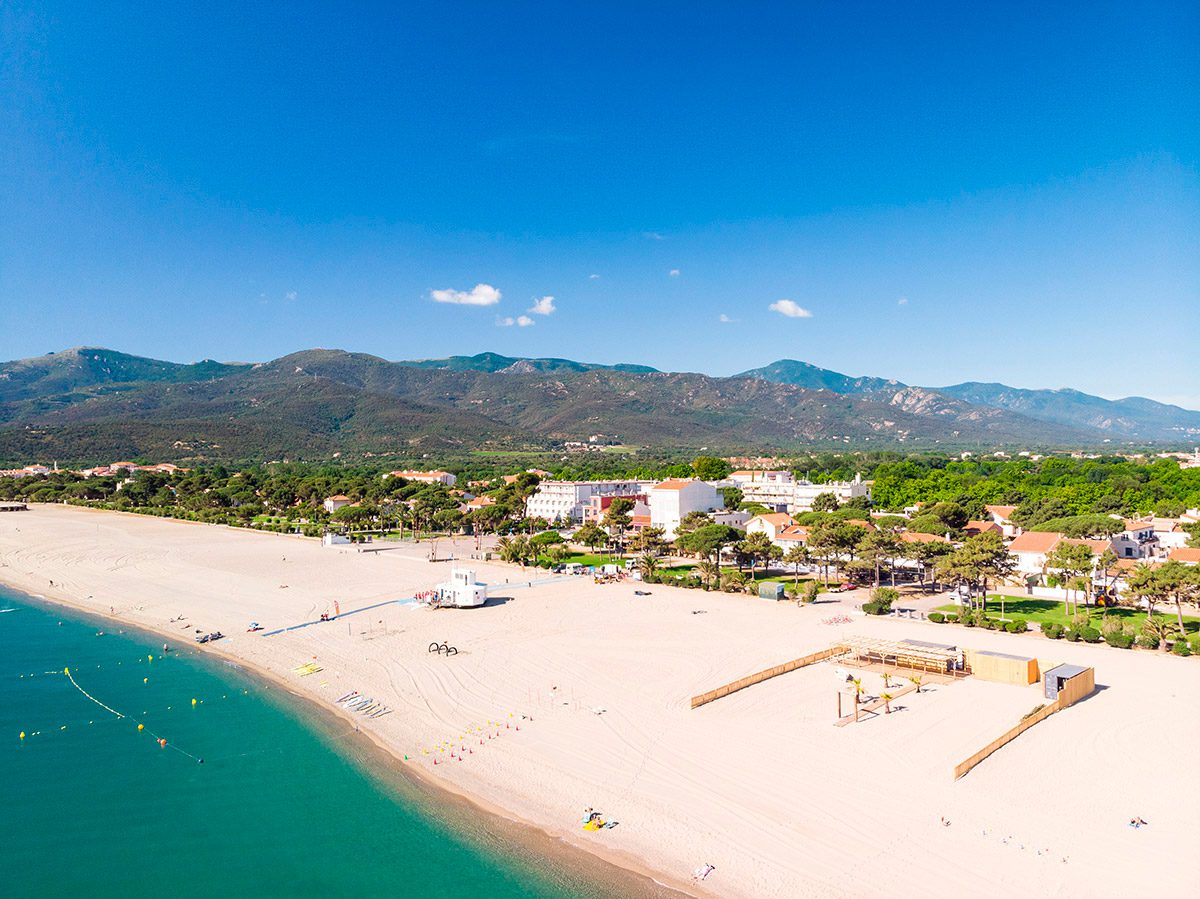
point(563, 502)
point(674, 498)
point(785, 494)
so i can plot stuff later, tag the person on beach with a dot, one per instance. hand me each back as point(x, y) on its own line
point(702, 872)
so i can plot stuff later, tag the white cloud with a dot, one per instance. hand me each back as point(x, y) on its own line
point(652, 235)
point(479, 295)
point(291, 294)
point(790, 308)
point(903, 301)
point(593, 277)
point(521, 321)
point(674, 273)
point(543, 306)
point(725, 319)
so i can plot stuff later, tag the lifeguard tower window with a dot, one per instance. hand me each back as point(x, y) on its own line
point(1056, 678)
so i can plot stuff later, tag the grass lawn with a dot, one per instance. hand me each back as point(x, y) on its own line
point(593, 559)
point(1053, 611)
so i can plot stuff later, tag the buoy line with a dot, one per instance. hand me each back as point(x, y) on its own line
point(162, 741)
point(71, 678)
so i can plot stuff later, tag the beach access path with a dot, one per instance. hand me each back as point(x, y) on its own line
point(567, 694)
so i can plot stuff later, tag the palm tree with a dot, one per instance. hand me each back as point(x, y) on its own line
point(1161, 629)
point(708, 572)
point(732, 581)
point(887, 702)
point(916, 680)
point(887, 679)
point(647, 565)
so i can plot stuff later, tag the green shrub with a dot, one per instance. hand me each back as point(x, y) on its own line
point(937, 617)
point(1071, 634)
point(884, 597)
point(1119, 639)
point(1181, 648)
point(1147, 642)
point(952, 617)
point(1194, 643)
point(968, 620)
point(1052, 630)
point(1089, 635)
point(873, 607)
point(1017, 626)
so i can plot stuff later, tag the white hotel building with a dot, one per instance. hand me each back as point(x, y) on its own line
point(562, 502)
point(781, 491)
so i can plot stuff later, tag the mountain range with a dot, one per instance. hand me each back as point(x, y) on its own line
point(1133, 418)
point(95, 404)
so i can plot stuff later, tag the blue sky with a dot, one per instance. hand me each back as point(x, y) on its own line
point(939, 192)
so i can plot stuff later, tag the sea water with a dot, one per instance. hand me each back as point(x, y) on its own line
point(283, 804)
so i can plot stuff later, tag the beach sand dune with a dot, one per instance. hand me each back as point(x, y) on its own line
point(565, 695)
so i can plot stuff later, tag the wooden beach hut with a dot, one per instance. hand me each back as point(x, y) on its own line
point(1069, 683)
point(1003, 667)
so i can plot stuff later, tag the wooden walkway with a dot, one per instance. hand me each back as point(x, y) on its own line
point(873, 705)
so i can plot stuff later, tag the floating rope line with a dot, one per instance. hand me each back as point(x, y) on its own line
point(71, 678)
point(162, 741)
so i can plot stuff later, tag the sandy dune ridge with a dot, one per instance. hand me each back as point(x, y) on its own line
point(759, 784)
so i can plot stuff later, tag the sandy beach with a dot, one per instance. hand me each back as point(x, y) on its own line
point(565, 695)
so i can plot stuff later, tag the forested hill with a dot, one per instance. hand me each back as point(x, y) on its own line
point(98, 404)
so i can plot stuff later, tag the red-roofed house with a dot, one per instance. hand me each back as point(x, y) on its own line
point(1031, 549)
point(770, 524)
point(1189, 555)
point(972, 528)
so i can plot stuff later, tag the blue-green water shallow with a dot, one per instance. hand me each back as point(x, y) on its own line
point(285, 804)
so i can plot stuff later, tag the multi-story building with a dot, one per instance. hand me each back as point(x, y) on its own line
point(597, 505)
point(785, 494)
point(562, 502)
point(425, 477)
point(674, 498)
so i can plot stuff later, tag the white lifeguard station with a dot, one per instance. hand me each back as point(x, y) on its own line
point(462, 590)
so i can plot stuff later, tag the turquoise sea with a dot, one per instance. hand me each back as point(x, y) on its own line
point(286, 803)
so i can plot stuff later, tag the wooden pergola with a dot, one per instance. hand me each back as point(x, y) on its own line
point(912, 655)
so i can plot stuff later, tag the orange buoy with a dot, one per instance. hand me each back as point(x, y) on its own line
point(162, 743)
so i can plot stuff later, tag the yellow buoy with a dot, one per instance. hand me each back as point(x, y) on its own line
point(193, 702)
point(22, 735)
point(150, 658)
point(141, 727)
point(145, 680)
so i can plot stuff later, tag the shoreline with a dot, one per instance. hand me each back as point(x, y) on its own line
point(760, 784)
point(377, 752)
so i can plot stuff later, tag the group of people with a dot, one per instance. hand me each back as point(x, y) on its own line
point(1137, 822)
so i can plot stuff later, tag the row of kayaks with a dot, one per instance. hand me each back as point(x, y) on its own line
point(364, 705)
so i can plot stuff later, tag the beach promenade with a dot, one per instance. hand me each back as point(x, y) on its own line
point(565, 695)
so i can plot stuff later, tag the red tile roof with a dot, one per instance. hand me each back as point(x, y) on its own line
point(1035, 542)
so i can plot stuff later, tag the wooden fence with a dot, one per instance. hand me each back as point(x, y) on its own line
point(766, 674)
point(1073, 690)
